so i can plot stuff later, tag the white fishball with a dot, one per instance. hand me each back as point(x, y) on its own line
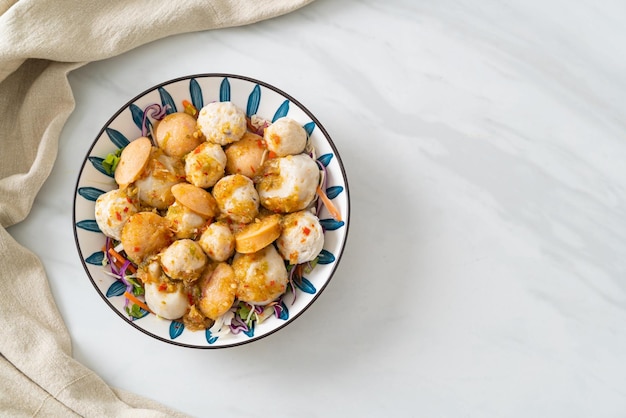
point(262, 276)
point(288, 184)
point(218, 241)
point(285, 137)
point(222, 122)
point(166, 304)
point(184, 259)
point(237, 198)
point(302, 237)
point(113, 209)
point(205, 165)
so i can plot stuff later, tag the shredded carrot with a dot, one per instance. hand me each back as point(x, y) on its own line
point(329, 205)
point(190, 108)
point(121, 260)
point(136, 301)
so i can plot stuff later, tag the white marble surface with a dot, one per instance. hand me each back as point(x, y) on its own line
point(484, 274)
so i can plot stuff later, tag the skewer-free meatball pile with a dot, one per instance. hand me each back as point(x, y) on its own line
point(211, 214)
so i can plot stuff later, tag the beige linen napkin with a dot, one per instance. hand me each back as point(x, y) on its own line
point(41, 41)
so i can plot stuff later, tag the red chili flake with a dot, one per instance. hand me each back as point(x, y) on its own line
point(272, 282)
point(136, 249)
point(125, 209)
point(190, 298)
point(118, 216)
point(306, 230)
point(163, 287)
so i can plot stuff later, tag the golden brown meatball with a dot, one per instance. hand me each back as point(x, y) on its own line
point(176, 134)
point(218, 291)
point(144, 235)
point(246, 155)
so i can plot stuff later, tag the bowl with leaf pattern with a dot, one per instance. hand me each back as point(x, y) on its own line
point(259, 100)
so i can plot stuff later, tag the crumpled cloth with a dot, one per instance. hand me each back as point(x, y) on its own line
point(41, 41)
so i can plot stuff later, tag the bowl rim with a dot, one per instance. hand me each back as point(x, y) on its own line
point(346, 226)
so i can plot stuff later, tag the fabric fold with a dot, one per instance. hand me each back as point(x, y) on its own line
point(41, 41)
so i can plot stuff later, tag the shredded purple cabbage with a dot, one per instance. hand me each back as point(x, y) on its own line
point(278, 310)
point(237, 325)
point(157, 112)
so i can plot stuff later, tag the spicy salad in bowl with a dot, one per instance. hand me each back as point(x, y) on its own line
point(211, 210)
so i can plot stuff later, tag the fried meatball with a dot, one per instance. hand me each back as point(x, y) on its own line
point(144, 235)
point(245, 156)
point(218, 291)
point(176, 134)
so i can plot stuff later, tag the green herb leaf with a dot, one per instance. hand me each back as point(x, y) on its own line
point(111, 161)
point(138, 290)
point(134, 311)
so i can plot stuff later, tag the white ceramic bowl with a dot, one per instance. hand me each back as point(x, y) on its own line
point(256, 98)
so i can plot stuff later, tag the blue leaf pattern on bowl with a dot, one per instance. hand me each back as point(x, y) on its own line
point(282, 111)
point(333, 191)
point(176, 328)
point(305, 285)
point(196, 94)
point(253, 101)
point(117, 288)
point(325, 257)
point(97, 163)
point(166, 100)
point(90, 193)
point(225, 91)
point(88, 225)
point(284, 313)
point(137, 114)
point(250, 331)
point(117, 138)
point(325, 159)
point(209, 337)
point(95, 258)
point(309, 127)
point(331, 224)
